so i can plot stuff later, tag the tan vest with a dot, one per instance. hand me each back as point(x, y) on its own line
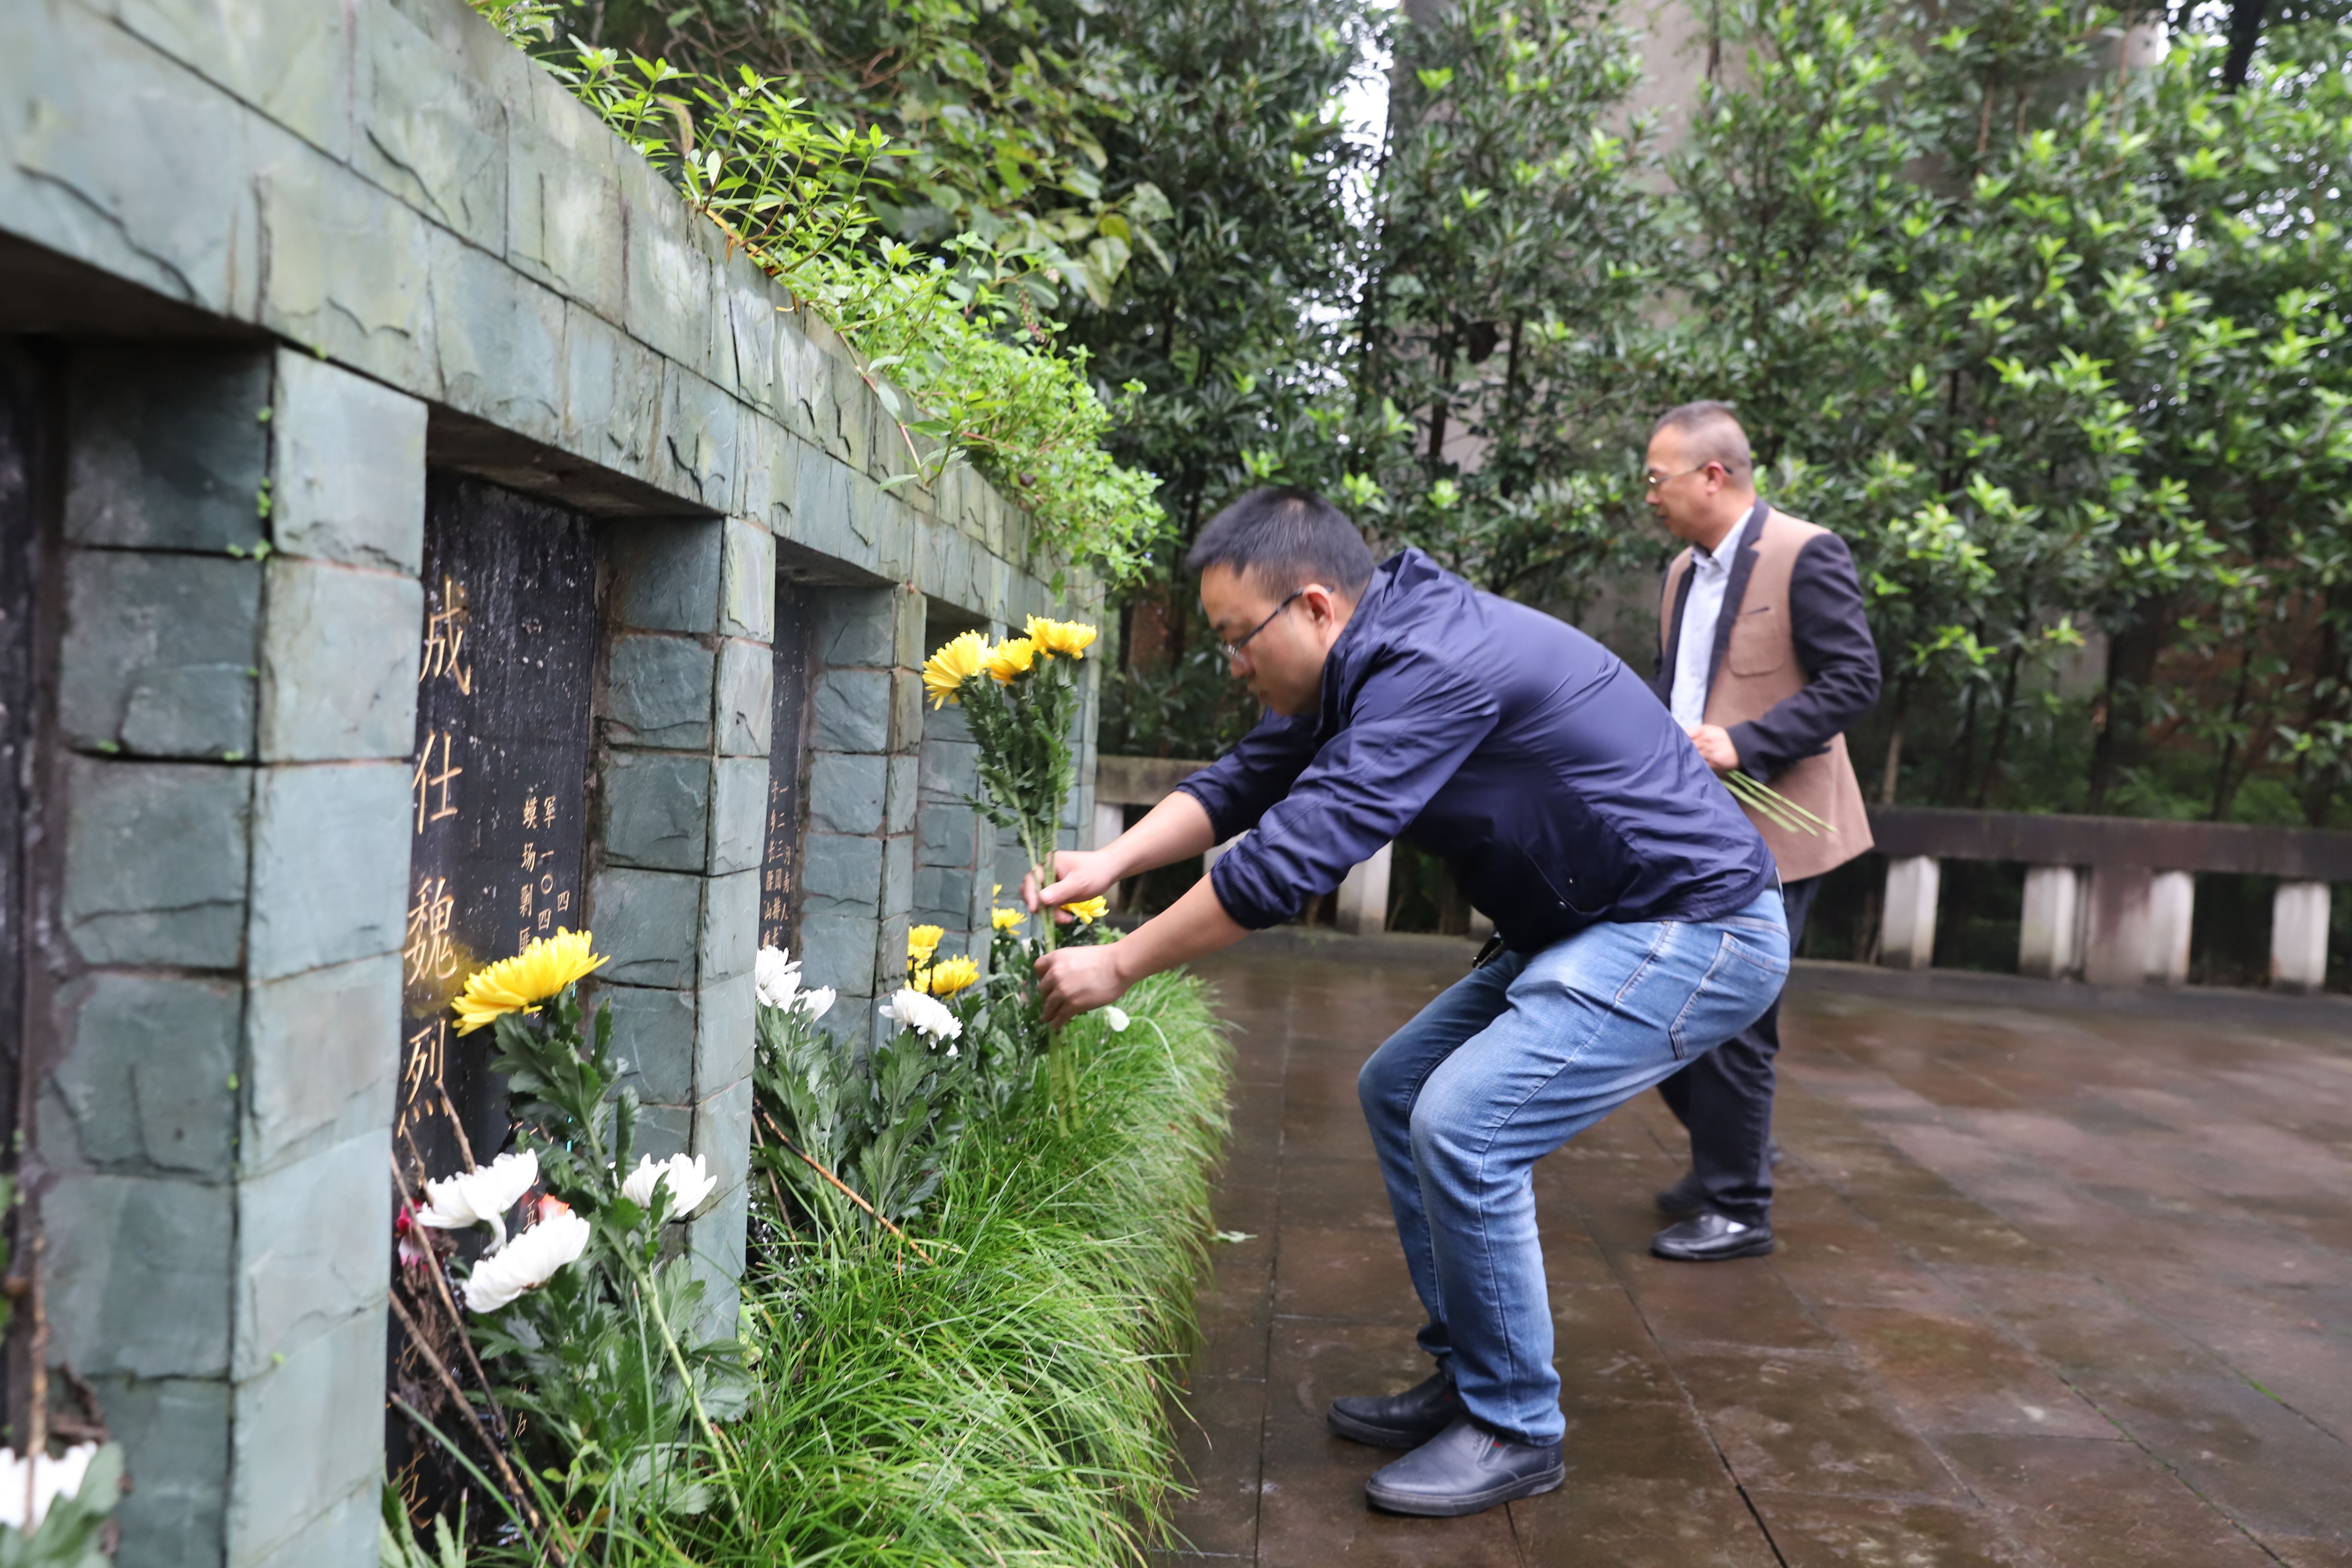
point(1759, 670)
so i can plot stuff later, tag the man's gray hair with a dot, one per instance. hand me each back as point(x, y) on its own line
point(1711, 434)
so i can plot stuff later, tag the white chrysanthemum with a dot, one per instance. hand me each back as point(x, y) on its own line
point(51, 1480)
point(529, 1261)
point(775, 977)
point(1117, 1018)
point(816, 1001)
point(911, 1009)
point(480, 1197)
point(688, 1177)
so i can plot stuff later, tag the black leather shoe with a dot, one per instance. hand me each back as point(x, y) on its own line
point(1709, 1237)
point(1404, 1420)
point(1685, 1196)
point(1464, 1469)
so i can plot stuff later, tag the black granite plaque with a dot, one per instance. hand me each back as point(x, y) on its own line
point(497, 816)
point(795, 656)
point(20, 536)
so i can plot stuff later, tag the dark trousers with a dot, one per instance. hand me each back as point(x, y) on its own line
point(1725, 1099)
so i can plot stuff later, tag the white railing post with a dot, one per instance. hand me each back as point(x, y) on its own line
point(2172, 912)
point(1907, 928)
point(2049, 939)
point(2299, 914)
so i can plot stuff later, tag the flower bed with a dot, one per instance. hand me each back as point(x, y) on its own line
point(1007, 1402)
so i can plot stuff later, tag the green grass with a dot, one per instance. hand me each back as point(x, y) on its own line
point(1009, 1403)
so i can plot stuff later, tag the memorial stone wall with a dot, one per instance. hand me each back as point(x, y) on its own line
point(417, 534)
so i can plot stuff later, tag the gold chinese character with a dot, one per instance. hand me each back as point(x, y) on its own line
point(563, 900)
point(530, 857)
point(426, 1049)
point(545, 916)
point(547, 812)
point(529, 817)
point(526, 899)
point(427, 951)
point(426, 781)
point(444, 639)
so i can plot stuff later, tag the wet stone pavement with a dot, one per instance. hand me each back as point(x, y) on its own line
point(2056, 1288)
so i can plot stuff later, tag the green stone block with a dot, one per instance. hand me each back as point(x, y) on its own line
point(664, 1130)
point(433, 130)
point(852, 712)
point(722, 1134)
point(331, 848)
point(739, 815)
point(290, 62)
point(660, 692)
point(649, 921)
point(900, 794)
point(299, 1449)
point(715, 1242)
point(138, 1275)
point(857, 627)
point(168, 450)
point(838, 951)
point(564, 206)
point(347, 1534)
point(499, 339)
point(339, 661)
point(730, 926)
point(698, 429)
point(612, 399)
point(145, 1077)
point(155, 862)
point(668, 283)
point(665, 575)
point(844, 793)
point(839, 871)
point(350, 480)
point(322, 1050)
point(175, 1439)
point(653, 1032)
point(657, 810)
point(944, 835)
point(349, 271)
point(748, 577)
point(747, 699)
point(159, 652)
point(723, 1035)
point(898, 875)
point(310, 1249)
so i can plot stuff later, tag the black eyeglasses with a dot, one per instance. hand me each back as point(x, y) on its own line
point(1234, 648)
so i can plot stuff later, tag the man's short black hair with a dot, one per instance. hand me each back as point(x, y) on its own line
point(1286, 538)
point(1711, 433)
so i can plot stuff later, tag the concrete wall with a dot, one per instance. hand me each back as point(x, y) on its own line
point(292, 255)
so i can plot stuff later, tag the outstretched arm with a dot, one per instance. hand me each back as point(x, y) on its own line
point(1075, 980)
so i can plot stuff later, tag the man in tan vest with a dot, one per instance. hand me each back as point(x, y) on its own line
point(1764, 658)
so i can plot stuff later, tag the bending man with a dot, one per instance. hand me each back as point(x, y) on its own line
point(1634, 907)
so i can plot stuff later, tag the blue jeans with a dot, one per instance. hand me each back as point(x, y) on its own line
point(1503, 1067)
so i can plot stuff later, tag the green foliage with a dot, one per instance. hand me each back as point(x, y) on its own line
point(72, 1535)
point(620, 1409)
point(987, 383)
point(1013, 1402)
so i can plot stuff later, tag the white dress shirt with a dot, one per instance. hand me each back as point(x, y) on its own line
point(1710, 574)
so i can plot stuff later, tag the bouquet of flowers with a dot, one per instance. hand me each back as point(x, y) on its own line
point(579, 1311)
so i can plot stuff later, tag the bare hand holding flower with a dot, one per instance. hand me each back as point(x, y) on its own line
point(1075, 980)
point(1714, 743)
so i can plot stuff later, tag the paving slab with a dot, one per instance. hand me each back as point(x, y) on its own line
point(2058, 1286)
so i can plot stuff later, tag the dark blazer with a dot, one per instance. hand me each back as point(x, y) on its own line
point(1832, 641)
point(1521, 751)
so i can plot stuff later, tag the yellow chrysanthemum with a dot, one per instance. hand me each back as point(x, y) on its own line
point(1089, 910)
point(519, 983)
point(1007, 660)
point(1069, 638)
point(1005, 919)
point(923, 942)
point(949, 976)
point(956, 662)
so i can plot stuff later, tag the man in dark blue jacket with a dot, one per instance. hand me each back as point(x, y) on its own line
point(1634, 906)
